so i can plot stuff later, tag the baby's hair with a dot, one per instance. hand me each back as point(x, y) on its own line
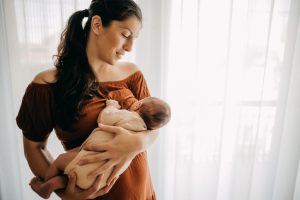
point(155, 113)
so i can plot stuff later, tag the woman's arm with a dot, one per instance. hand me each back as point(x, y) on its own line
point(145, 139)
point(39, 160)
point(38, 157)
point(120, 151)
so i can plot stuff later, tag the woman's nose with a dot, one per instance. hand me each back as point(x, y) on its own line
point(128, 45)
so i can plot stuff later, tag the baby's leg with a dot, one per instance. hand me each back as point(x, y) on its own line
point(53, 178)
point(44, 189)
point(59, 164)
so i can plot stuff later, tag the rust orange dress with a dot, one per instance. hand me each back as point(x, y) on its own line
point(36, 120)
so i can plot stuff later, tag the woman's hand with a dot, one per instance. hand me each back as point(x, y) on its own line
point(118, 153)
point(103, 190)
point(74, 193)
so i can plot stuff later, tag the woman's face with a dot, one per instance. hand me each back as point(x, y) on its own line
point(116, 39)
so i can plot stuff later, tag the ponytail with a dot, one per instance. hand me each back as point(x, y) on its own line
point(73, 38)
point(75, 80)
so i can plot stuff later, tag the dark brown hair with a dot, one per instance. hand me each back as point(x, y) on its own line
point(75, 81)
point(155, 113)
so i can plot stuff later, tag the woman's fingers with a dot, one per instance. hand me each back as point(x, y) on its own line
point(113, 181)
point(71, 182)
point(86, 194)
point(94, 188)
point(96, 147)
point(108, 187)
point(105, 190)
point(114, 174)
point(94, 158)
point(77, 193)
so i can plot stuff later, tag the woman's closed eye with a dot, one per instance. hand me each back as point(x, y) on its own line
point(125, 35)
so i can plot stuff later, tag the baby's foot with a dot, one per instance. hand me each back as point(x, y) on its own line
point(34, 180)
point(40, 188)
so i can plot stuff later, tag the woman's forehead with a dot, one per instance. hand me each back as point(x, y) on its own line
point(132, 24)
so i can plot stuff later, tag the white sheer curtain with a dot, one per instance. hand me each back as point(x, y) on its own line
point(233, 84)
point(230, 70)
point(30, 32)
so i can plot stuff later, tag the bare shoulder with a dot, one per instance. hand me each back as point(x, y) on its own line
point(127, 68)
point(45, 77)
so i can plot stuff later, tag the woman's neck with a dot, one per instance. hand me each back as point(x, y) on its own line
point(98, 66)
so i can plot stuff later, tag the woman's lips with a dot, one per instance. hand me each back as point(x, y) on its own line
point(120, 55)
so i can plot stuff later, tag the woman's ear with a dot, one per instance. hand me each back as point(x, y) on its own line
point(96, 25)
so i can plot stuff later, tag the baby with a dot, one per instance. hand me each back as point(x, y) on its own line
point(149, 113)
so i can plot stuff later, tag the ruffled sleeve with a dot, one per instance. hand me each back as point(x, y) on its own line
point(138, 86)
point(36, 114)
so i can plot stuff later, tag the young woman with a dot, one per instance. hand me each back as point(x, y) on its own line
point(69, 97)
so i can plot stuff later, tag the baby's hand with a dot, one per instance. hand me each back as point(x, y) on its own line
point(113, 103)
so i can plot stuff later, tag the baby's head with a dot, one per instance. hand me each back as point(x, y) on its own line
point(154, 111)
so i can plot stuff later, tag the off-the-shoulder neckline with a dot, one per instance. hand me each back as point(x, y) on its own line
point(122, 80)
point(101, 82)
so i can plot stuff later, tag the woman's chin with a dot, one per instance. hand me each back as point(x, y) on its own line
point(113, 62)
